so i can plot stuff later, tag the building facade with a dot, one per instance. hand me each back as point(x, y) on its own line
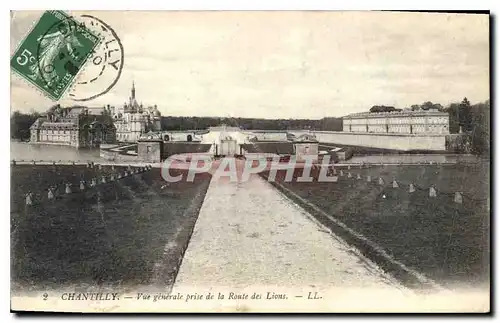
point(267, 135)
point(150, 150)
point(405, 122)
point(74, 127)
point(306, 146)
point(133, 120)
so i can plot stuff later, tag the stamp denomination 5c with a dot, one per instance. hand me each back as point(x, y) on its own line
point(54, 52)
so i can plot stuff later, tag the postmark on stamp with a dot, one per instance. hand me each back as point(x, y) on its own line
point(104, 65)
point(53, 53)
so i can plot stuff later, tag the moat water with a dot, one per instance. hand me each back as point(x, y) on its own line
point(28, 152)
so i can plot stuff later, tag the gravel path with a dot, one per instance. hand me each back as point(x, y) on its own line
point(249, 234)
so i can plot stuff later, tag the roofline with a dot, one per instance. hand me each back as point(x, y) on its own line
point(395, 114)
point(305, 142)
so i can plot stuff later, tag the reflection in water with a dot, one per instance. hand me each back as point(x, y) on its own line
point(26, 151)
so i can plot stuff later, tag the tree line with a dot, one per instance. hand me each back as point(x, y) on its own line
point(183, 123)
point(21, 122)
point(473, 119)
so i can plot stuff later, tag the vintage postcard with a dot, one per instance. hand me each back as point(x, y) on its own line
point(260, 161)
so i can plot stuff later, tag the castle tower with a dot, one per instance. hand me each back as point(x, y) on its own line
point(133, 90)
point(156, 119)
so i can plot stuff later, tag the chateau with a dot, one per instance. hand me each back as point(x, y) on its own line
point(89, 127)
point(132, 120)
point(430, 121)
point(79, 127)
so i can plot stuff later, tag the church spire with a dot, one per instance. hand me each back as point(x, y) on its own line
point(133, 90)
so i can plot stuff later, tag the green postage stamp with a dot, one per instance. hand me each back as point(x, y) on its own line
point(54, 52)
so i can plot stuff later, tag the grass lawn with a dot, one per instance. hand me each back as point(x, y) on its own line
point(136, 236)
point(446, 241)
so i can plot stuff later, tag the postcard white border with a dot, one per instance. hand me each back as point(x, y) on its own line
point(187, 5)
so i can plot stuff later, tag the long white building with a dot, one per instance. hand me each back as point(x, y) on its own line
point(430, 121)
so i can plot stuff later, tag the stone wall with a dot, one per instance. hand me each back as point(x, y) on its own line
point(402, 142)
point(270, 136)
point(116, 156)
point(174, 148)
point(150, 151)
point(279, 148)
point(303, 150)
point(188, 135)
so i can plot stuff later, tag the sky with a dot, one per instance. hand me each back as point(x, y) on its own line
point(293, 64)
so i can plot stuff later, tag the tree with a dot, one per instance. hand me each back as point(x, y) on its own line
point(382, 108)
point(454, 113)
point(20, 124)
point(480, 123)
point(474, 119)
point(465, 117)
point(429, 105)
